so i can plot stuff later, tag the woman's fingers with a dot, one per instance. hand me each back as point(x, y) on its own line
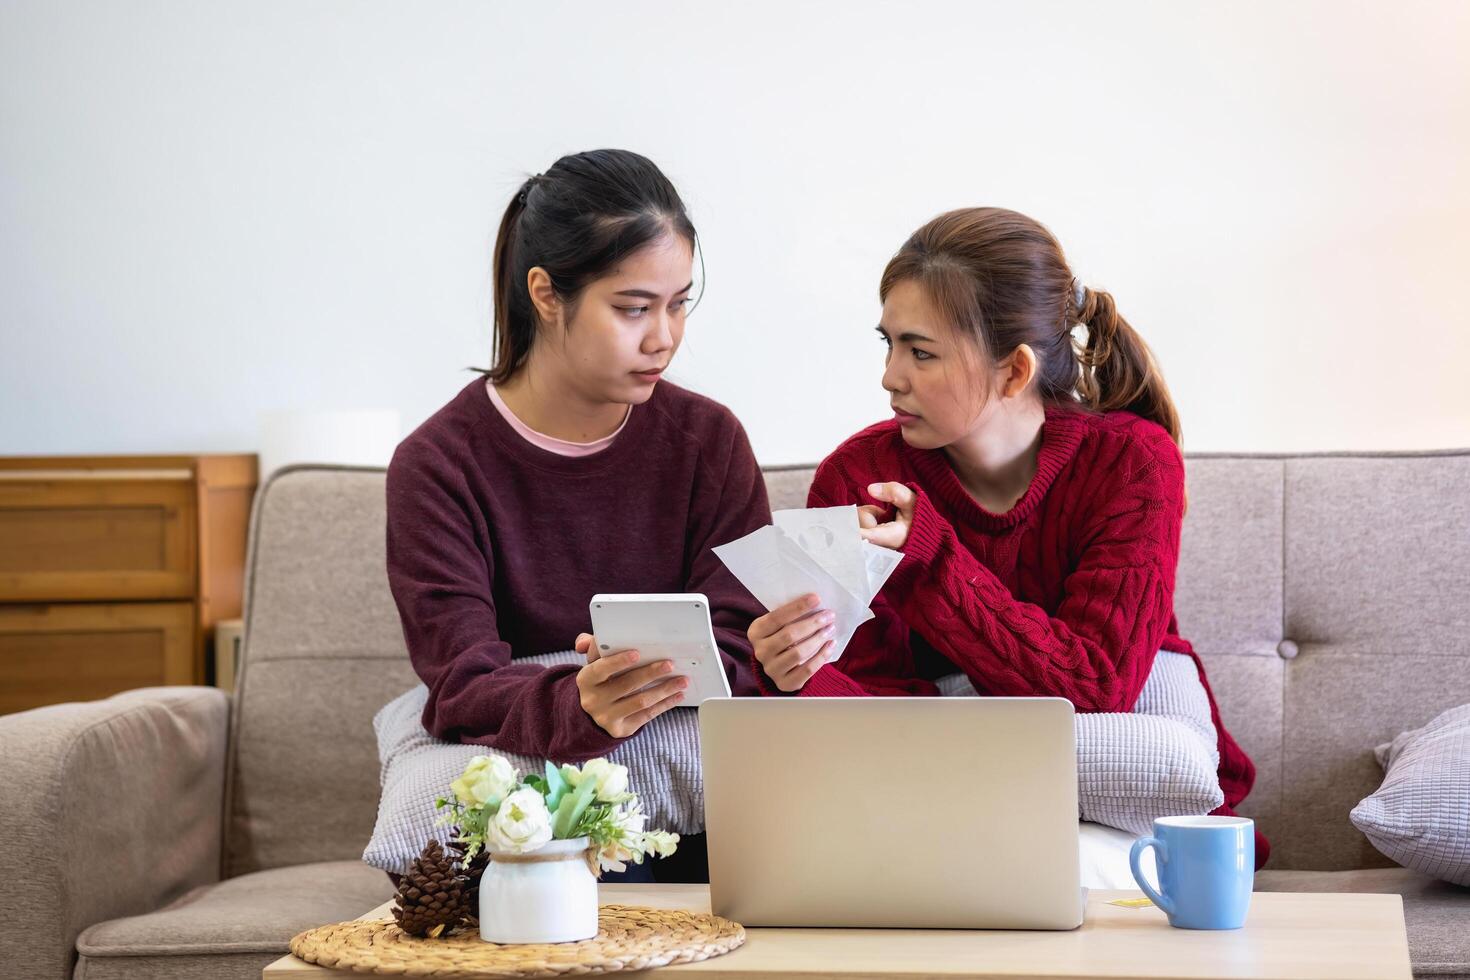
point(887, 526)
point(775, 652)
point(624, 684)
point(587, 646)
point(641, 700)
point(626, 715)
point(801, 651)
point(614, 692)
point(897, 494)
point(793, 633)
point(609, 665)
point(890, 535)
point(638, 719)
point(778, 618)
point(795, 678)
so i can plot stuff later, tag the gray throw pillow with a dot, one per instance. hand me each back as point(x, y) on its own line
point(1162, 760)
point(1420, 816)
point(417, 768)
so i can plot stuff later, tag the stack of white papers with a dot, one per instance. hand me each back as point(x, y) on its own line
point(820, 551)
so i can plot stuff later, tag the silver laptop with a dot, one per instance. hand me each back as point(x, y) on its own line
point(920, 813)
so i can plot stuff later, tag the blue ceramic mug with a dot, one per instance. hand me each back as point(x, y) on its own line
point(1206, 867)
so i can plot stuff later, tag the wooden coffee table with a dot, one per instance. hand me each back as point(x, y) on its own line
point(1288, 935)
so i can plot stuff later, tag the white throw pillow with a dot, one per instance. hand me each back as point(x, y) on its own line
point(1420, 816)
point(1104, 858)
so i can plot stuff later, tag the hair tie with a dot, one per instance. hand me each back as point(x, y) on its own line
point(526, 187)
point(1079, 295)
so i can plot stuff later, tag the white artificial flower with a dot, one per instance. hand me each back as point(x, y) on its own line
point(634, 843)
point(613, 857)
point(660, 842)
point(522, 823)
point(630, 819)
point(487, 780)
point(611, 779)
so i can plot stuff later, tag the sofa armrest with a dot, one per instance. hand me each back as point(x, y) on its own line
point(107, 808)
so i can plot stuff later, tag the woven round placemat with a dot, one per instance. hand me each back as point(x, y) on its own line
point(629, 938)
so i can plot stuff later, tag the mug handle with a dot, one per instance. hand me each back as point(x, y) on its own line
point(1134, 854)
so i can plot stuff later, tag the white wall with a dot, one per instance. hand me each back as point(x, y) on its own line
point(209, 211)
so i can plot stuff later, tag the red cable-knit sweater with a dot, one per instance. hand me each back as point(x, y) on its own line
point(1070, 593)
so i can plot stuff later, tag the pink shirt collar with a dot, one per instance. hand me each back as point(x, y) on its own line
point(559, 446)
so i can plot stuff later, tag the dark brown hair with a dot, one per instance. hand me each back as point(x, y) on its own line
point(1002, 278)
point(576, 221)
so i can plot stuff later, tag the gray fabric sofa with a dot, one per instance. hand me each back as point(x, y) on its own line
point(176, 832)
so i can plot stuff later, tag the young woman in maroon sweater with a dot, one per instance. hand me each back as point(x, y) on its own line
point(572, 470)
point(1034, 485)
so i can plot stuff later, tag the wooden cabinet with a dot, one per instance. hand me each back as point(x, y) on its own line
point(84, 651)
point(113, 571)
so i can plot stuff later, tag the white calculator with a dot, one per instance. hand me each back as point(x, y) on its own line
point(664, 626)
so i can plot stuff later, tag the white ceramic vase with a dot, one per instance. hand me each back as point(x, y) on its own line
point(546, 896)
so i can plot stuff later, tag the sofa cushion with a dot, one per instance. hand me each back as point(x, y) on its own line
point(323, 651)
point(1420, 816)
point(1377, 567)
point(233, 928)
point(1436, 913)
point(1160, 761)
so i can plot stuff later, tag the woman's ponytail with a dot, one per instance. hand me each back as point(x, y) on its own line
point(514, 320)
point(1117, 369)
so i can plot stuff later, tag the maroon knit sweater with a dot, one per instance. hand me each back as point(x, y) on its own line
point(495, 548)
point(1068, 594)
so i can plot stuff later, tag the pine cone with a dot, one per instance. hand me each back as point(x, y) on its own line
point(469, 876)
point(430, 899)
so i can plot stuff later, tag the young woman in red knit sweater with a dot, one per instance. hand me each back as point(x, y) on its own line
point(1034, 484)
